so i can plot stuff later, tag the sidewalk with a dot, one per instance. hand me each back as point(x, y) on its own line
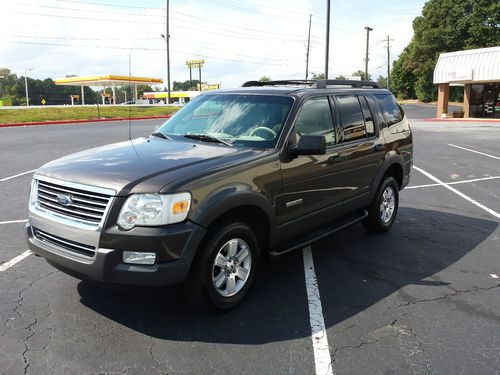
point(495, 120)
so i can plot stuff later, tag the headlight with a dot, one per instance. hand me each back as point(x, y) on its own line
point(33, 192)
point(154, 210)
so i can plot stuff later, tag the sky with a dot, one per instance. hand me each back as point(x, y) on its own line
point(239, 40)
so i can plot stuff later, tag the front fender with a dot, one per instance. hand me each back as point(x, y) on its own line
point(231, 197)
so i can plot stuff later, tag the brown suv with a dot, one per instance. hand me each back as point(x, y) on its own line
point(264, 169)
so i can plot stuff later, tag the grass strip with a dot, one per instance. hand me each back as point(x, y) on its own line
point(14, 116)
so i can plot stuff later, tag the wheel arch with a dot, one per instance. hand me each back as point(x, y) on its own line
point(242, 204)
point(393, 166)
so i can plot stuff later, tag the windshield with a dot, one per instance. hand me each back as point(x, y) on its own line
point(242, 120)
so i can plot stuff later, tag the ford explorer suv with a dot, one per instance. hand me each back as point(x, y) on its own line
point(233, 178)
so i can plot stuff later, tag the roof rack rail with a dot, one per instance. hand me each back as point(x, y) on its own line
point(294, 82)
point(323, 83)
point(319, 84)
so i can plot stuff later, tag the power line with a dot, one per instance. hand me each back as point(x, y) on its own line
point(71, 38)
point(232, 25)
point(187, 41)
point(225, 34)
point(106, 4)
point(81, 18)
point(89, 10)
point(246, 10)
point(146, 49)
point(274, 8)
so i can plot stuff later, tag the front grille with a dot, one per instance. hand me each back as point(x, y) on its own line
point(72, 246)
point(86, 206)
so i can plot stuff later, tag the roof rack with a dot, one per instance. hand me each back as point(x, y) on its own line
point(323, 83)
point(296, 82)
point(319, 84)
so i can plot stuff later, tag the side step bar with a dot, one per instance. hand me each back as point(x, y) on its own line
point(319, 234)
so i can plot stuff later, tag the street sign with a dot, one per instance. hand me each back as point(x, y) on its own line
point(43, 102)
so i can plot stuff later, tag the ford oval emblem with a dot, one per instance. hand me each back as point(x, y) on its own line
point(64, 200)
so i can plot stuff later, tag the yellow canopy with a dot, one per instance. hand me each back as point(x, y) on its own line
point(107, 81)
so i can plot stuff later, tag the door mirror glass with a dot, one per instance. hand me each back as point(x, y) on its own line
point(309, 145)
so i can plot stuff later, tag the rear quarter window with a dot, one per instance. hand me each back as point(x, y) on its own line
point(391, 111)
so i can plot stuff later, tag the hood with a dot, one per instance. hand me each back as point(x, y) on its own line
point(121, 166)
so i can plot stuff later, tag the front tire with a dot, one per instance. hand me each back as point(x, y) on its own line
point(384, 208)
point(225, 267)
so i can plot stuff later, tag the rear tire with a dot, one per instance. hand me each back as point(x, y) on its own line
point(384, 208)
point(225, 267)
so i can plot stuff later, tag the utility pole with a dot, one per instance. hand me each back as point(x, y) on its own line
point(368, 29)
point(26, 85)
point(308, 46)
point(327, 54)
point(168, 49)
point(190, 77)
point(388, 62)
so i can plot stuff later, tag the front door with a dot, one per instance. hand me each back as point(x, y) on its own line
point(311, 183)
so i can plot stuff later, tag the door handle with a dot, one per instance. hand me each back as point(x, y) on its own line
point(379, 147)
point(334, 159)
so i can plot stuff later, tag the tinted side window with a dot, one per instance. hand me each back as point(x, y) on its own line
point(352, 116)
point(390, 109)
point(315, 118)
point(370, 127)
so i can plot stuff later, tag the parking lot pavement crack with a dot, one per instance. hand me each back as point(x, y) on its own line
point(29, 327)
point(155, 342)
point(421, 348)
point(25, 341)
point(446, 296)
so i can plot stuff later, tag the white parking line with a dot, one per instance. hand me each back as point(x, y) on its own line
point(17, 175)
point(455, 182)
point(322, 358)
point(12, 222)
point(477, 152)
point(466, 197)
point(12, 262)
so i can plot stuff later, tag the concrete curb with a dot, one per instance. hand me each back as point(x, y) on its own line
point(462, 120)
point(65, 122)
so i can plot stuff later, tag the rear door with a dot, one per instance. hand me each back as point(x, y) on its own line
point(360, 148)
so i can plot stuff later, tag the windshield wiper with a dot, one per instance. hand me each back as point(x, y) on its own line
point(159, 135)
point(206, 138)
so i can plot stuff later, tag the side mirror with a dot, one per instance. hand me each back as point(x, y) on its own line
point(309, 145)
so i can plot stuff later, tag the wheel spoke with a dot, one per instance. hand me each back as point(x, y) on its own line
point(232, 247)
point(220, 260)
point(242, 254)
point(230, 285)
point(241, 273)
point(220, 279)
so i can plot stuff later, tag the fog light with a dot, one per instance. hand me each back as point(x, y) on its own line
point(134, 257)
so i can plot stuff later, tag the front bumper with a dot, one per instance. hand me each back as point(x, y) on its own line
point(174, 245)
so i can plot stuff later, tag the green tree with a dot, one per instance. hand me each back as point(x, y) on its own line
point(318, 76)
point(363, 75)
point(265, 79)
point(186, 85)
point(444, 26)
point(402, 77)
point(341, 77)
point(382, 81)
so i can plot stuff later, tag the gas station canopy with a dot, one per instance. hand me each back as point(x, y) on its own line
point(108, 81)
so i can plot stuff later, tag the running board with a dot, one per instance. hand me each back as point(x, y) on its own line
point(319, 234)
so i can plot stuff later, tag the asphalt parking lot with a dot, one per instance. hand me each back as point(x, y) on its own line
point(423, 298)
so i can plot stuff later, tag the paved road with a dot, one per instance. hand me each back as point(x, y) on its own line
point(420, 299)
point(424, 111)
